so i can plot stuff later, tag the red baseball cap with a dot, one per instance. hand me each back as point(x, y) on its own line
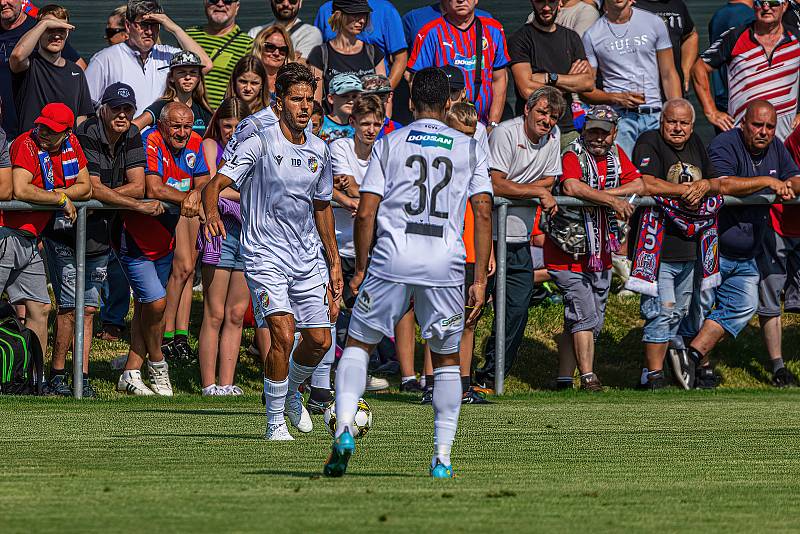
point(56, 116)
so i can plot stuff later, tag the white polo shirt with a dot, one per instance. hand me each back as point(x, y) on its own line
point(120, 63)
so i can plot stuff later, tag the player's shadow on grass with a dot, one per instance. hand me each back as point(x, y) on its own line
point(246, 437)
point(256, 413)
point(316, 474)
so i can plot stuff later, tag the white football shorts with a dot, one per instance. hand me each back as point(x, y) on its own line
point(305, 296)
point(381, 304)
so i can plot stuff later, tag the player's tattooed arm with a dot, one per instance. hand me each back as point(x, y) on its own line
point(213, 224)
point(323, 218)
point(482, 210)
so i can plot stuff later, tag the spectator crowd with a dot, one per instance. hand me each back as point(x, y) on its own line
point(601, 115)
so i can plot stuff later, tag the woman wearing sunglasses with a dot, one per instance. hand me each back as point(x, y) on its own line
point(115, 27)
point(273, 47)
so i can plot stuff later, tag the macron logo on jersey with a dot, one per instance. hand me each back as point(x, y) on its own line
point(426, 139)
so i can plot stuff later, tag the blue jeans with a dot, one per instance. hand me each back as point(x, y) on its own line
point(663, 314)
point(116, 294)
point(732, 304)
point(631, 125)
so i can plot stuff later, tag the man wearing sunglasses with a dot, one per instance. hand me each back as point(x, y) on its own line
point(139, 60)
point(224, 42)
point(304, 36)
point(750, 49)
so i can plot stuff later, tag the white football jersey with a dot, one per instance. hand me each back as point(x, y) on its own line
point(259, 120)
point(279, 182)
point(425, 173)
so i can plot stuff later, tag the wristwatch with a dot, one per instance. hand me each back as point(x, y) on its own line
point(552, 78)
point(493, 124)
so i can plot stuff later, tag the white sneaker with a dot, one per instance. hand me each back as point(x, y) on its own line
point(130, 382)
point(212, 391)
point(297, 413)
point(159, 378)
point(278, 433)
point(375, 383)
point(231, 390)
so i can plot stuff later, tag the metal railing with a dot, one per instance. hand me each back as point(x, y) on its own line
point(80, 276)
point(501, 206)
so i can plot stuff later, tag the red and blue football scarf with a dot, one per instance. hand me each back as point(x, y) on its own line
point(703, 222)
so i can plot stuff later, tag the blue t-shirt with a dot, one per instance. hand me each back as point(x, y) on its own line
point(414, 20)
point(725, 18)
point(742, 228)
point(385, 29)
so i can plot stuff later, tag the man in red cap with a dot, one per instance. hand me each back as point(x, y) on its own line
point(48, 167)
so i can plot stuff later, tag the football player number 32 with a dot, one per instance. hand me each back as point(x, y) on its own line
point(422, 184)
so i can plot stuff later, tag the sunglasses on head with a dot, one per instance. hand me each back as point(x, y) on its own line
point(270, 48)
point(111, 32)
point(226, 2)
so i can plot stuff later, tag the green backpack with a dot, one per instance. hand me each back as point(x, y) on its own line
point(21, 359)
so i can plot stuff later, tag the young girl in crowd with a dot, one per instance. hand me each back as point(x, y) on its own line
point(249, 83)
point(225, 293)
point(345, 53)
point(274, 48)
point(185, 84)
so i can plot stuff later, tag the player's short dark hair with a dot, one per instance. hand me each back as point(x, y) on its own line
point(293, 74)
point(430, 90)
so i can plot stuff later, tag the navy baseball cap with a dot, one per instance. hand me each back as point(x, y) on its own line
point(455, 77)
point(119, 94)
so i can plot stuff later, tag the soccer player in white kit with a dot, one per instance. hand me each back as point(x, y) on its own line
point(285, 181)
point(420, 177)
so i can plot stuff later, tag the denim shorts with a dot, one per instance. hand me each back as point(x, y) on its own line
point(663, 314)
point(147, 278)
point(230, 256)
point(63, 274)
point(733, 303)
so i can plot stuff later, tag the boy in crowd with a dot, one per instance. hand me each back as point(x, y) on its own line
point(342, 93)
point(41, 74)
point(380, 86)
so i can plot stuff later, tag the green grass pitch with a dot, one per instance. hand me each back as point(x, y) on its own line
point(546, 462)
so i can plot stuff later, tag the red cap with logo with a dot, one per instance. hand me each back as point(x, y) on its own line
point(56, 116)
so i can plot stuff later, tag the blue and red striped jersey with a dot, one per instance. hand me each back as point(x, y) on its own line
point(440, 43)
point(154, 237)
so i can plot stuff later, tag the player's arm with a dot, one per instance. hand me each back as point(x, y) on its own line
point(323, 218)
point(363, 233)
point(482, 211)
point(213, 225)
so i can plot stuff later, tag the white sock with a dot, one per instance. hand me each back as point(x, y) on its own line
point(275, 394)
point(446, 407)
point(297, 375)
point(322, 374)
point(351, 380)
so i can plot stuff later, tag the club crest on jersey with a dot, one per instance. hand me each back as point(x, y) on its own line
point(452, 322)
point(364, 303)
point(278, 159)
point(313, 164)
point(191, 159)
point(429, 139)
point(262, 300)
point(644, 162)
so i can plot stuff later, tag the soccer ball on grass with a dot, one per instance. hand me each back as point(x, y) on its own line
point(361, 424)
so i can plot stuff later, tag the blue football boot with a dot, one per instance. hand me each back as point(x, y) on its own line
point(442, 471)
point(341, 450)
